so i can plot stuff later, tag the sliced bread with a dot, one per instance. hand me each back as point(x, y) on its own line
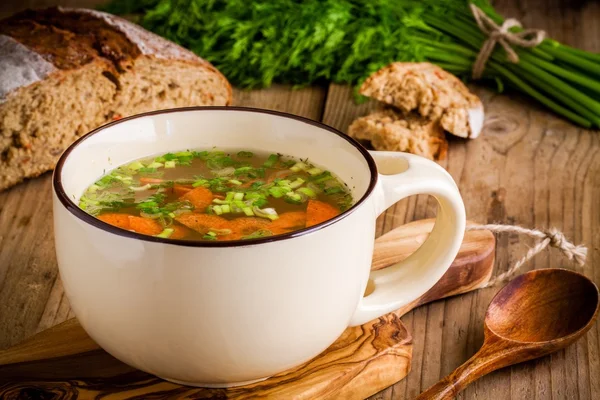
point(393, 130)
point(64, 72)
point(432, 92)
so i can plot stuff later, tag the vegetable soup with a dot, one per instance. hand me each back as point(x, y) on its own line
point(215, 195)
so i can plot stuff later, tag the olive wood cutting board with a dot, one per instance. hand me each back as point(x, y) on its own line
point(63, 362)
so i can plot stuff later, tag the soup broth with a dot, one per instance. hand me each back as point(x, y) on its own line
point(215, 195)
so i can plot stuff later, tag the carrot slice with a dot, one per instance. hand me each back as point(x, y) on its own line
point(179, 232)
point(200, 198)
point(202, 223)
point(115, 219)
point(180, 190)
point(144, 225)
point(288, 222)
point(152, 181)
point(318, 211)
point(241, 227)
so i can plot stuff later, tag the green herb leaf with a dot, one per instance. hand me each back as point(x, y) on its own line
point(271, 161)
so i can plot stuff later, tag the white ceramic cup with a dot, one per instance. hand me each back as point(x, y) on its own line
point(221, 314)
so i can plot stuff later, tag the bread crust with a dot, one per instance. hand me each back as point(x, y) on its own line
point(429, 90)
point(20, 66)
point(70, 38)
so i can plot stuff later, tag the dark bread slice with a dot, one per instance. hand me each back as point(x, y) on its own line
point(64, 72)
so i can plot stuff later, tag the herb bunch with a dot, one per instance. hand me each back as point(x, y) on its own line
point(301, 42)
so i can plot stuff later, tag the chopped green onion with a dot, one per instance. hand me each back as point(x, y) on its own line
point(169, 164)
point(260, 202)
point(293, 197)
point(199, 182)
point(309, 192)
point(325, 176)
point(299, 166)
point(93, 189)
point(235, 182)
point(242, 170)
point(166, 233)
point(334, 190)
point(125, 179)
point(140, 188)
point(297, 183)
point(184, 154)
point(239, 204)
point(278, 192)
point(226, 208)
point(258, 234)
point(314, 171)
point(219, 201)
point(229, 197)
point(134, 166)
point(172, 214)
point(238, 196)
point(289, 163)
point(248, 211)
point(246, 154)
point(187, 161)
point(269, 213)
point(253, 195)
point(146, 170)
point(155, 165)
point(282, 182)
point(89, 201)
point(273, 158)
point(218, 210)
point(149, 215)
point(200, 154)
point(210, 236)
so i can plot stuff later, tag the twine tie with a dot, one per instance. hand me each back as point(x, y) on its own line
point(502, 35)
point(552, 237)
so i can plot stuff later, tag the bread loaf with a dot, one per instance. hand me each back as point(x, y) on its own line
point(64, 72)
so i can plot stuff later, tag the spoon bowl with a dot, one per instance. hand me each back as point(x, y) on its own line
point(537, 313)
point(543, 306)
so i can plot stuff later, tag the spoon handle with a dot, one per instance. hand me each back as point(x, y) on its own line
point(482, 363)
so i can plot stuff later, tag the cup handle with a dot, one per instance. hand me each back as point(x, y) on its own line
point(404, 282)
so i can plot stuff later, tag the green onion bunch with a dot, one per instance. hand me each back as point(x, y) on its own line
point(301, 42)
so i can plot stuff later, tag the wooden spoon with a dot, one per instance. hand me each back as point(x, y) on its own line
point(536, 314)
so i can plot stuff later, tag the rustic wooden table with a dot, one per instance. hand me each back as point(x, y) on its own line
point(529, 168)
